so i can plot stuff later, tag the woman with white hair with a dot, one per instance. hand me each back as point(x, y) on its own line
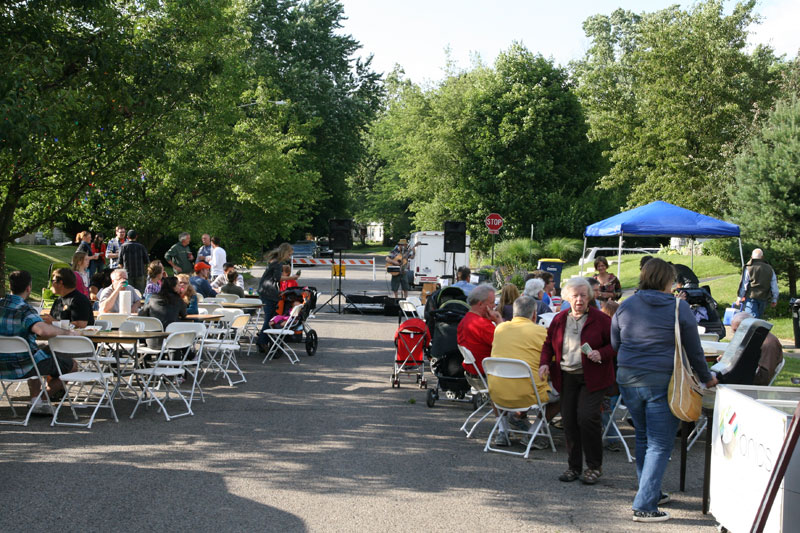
point(535, 289)
point(578, 356)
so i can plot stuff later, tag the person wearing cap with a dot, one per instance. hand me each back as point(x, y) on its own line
point(399, 257)
point(134, 259)
point(200, 280)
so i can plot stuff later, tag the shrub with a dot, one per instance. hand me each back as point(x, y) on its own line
point(563, 248)
point(520, 253)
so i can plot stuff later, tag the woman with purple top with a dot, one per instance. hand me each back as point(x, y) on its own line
point(643, 333)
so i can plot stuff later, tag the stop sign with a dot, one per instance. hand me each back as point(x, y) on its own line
point(494, 222)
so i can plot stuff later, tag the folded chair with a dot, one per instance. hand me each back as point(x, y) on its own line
point(222, 352)
point(277, 337)
point(160, 379)
point(193, 359)
point(82, 348)
point(498, 369)
point(482, 402)
point(612, 427)
point(20, 349)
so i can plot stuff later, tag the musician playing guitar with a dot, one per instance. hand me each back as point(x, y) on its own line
point(397, 266)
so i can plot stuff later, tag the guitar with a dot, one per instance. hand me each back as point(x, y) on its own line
point(395, 266)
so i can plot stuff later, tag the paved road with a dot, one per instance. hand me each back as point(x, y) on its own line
point(324, 445)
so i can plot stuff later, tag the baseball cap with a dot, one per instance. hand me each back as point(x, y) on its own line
point(200, 266)
point(402, 241)
point(131, 233)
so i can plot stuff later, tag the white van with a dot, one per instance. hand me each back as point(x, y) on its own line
point(430, 262)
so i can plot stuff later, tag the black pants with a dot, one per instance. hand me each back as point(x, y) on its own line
point(583, 428)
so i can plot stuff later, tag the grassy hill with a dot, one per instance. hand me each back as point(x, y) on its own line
point(37, 261)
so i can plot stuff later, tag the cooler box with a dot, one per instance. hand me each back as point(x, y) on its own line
point(553, 266)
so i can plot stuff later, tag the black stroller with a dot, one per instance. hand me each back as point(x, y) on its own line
point(705, 309)
point(443, 312)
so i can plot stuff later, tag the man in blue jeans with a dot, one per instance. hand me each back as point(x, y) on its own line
point(759, 285)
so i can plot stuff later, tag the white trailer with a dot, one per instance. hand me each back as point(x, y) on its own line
point(430, 262)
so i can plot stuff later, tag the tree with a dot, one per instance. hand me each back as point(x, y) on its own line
point(510, 139)
point(766, 192)
point(668, 92)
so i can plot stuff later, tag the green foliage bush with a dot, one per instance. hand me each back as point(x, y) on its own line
point(521, 253)
point(563, 248)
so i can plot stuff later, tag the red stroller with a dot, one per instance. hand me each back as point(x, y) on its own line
point(412, 339)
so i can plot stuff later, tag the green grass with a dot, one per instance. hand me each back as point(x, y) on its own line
point(377, 249)
point(36, 260)
point(790, 370)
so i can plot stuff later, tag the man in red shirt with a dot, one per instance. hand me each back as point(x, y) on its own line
point(476, 329)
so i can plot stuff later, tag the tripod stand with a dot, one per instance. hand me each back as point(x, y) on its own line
point(339, 294)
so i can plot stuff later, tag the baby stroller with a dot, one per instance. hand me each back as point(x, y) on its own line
point(411, 340)
point(704, 308)
point(446, 359)
point(307, 297)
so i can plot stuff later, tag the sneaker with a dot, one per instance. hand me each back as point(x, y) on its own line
point(650, 516)
point(665, 498)
point(519, 424)
point(41, 408)
point(501, 439)
point(539, 443)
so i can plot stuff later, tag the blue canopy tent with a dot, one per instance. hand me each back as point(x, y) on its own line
point(661, 219)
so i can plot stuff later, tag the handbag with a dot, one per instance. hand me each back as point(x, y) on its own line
point(684, 394)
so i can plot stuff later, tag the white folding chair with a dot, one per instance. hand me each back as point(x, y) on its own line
point(407, 310)
point(104, 325)
point(115, 319)
point(192, 366)
point(149, 323)
point(222, 328)
point(214, 300)
point(225, 297)
point(83, 349)
point(612, 426)
point(483, 394)
point(222, 352)
point(415, 301)
point(209, 307)
point(19, 348)
point(254, 326)
point(504, 368)
point(161, 378)
point(277, 337)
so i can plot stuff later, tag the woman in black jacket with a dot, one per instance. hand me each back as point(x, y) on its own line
point(269, 286)
point(165, 305)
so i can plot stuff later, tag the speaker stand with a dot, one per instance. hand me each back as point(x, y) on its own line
point(338, 295)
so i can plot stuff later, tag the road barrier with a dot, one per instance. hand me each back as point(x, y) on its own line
point(314, 261)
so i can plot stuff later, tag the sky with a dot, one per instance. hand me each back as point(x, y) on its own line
point(415, 33)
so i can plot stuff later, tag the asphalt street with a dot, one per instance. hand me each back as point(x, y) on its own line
point(323, 445)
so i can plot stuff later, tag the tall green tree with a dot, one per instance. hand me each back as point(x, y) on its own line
point(509, 139)
point(766, 192)
point(668, 92)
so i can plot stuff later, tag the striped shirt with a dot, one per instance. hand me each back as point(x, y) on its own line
point(16, 319)
point(133, 258)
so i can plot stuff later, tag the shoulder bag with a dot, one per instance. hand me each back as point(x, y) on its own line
point(685, 392)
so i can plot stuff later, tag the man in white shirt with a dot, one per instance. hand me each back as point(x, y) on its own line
point(218, 257)
point(108, 297)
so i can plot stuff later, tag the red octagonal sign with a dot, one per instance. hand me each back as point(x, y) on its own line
point(494, 222)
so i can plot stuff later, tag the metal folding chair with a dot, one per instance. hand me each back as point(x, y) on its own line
point(160, 379)
point(504, 368)
point(17, 346)
point(482, 394)
point(225, 297)
point(81, 348)
point(612, 426)
point(278, 336)
point(222, 352)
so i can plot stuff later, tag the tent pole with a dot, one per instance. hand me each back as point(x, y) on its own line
point(583, 255)
point(691, 243)
point(741, 253)
point(619, 257)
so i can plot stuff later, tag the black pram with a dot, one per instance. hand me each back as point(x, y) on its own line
point(704, 308)
point(443, 312)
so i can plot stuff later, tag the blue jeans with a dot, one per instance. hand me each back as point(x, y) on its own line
point(656, 428)
point(269, 311)
point(755, 307)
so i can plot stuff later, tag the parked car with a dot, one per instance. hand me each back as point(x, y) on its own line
point(305, 249)
point(323, 248)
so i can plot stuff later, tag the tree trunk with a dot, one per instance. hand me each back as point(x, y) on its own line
point(2, 267)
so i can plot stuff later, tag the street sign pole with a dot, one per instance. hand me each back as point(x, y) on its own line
point(492, 248)
point(493, 223)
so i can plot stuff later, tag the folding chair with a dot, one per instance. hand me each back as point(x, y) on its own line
point(254, 326)
point(81, 348)
point(416, 302)
point(482, 393)
point(503, 368)
point(149, 323)
point(21, 350)
point(214, 300)
point(407, 311)
point(222, 352)
point(222, 328)
point(612, 426)
point(277, 337)
point(192, 366)
point(103, 325)
point(230, 298)
point(161, 379)
point(115, 319)
point(210, 307)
